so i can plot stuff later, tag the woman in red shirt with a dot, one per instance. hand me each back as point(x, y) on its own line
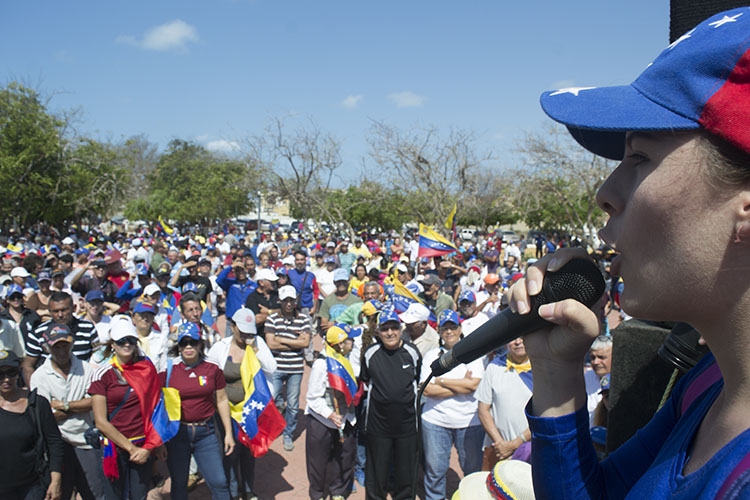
point(122, 385)
point(201, 386)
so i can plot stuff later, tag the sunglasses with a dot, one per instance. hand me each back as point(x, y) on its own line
point(189, 342)
point(13, 372)
point(127, 340)
point(15, 297)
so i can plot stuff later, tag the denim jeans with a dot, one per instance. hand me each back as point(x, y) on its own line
point(437, 442)
point(201, 441)
point(293, 381)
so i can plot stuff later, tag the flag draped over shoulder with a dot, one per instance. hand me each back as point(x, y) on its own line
point(161, 415)
point(432, 244)
point(340, 374)
point(163, 227)
point(256, 420)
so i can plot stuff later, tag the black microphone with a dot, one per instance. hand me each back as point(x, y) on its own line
point(579, 279)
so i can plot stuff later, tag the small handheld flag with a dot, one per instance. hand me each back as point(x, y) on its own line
point(258, 420)
point(340, 374)
point(163, 227)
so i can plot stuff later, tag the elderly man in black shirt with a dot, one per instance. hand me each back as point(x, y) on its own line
point(391, 367)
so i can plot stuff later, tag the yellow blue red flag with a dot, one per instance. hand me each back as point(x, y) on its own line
point(163, 226)
point(340, 374)
point(256, 420)
point(450, 222)
point(432, 244)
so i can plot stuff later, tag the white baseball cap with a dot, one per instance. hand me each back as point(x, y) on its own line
point(266, 274)
point(244, 318)
point(287, 292)
point(120, 327)
point(151, 289)
point(19, 272)
point(415, 313)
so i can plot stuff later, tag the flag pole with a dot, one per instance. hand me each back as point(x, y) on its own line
point(336, 408)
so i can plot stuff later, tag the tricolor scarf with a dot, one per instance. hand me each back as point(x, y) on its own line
point(141, 376)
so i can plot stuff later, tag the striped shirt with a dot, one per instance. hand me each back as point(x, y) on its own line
point(276, 324)
point(84, 332)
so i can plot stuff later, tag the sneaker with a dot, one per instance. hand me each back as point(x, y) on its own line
point(193, 480)
point(288, 443)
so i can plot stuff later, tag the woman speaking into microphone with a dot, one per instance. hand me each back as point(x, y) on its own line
point(679, 218)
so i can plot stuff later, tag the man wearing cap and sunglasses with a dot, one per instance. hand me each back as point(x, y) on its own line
point(16, 311)
point(61, 310)
point(64, 380)
point(391, 367)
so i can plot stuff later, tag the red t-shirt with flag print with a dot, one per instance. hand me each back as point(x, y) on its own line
point(128, 419)
point(196, 386)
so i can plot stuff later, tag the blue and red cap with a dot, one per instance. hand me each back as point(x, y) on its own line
point(448, 316)
point(387, 315)
point(190, 330)
point(700, 81)
point(467, 296)
point(145, 307)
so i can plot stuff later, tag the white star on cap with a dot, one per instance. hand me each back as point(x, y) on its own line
point(571, 90)
point(724, 20)
point(681, 39)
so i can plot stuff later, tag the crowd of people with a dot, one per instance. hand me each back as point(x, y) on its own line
point(97, 325)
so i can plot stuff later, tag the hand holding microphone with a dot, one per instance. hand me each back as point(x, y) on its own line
point(577, 279)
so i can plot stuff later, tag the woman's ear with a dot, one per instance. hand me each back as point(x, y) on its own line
point(742, 229)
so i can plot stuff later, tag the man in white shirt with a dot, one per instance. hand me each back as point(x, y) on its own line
point(471, 317)
point(64, 380)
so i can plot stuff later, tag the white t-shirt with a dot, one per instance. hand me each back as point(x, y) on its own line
point(456, 412)
point(470, 324)
point(324, 277)
point(491, 308)
point(592, 393)
point(508, 395)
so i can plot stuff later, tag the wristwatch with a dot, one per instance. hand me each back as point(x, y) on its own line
point(66, 406)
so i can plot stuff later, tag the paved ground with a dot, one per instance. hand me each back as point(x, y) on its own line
point(282, 475)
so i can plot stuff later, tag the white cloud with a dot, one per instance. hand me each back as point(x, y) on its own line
point(407, 99)
point(352, 101)
point(174, 35)
point(222, 146)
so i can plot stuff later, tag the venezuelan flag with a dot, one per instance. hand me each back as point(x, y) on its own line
point(258, 421)
point(14, 249)
point(432, 244)
point(162, 406)
point(340, 374)
point(450, 222)
point(402, 298)
point(163, 226)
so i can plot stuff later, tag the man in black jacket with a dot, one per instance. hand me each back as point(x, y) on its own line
point(391, 367)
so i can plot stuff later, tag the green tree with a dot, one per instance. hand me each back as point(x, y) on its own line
point(31, 157)
point(557, 184)
point(191, 184)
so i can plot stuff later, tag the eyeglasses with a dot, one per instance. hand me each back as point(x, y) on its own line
point(386, 328)
point(15, 297)
point(127, 340)
point(188, 342)
point(10, 373)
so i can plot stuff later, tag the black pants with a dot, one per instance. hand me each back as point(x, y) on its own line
point(82, 470)
point(386, 455)
point(134, 481)
point(330, 463)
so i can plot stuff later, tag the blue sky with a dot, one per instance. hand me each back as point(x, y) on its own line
point(217, 71)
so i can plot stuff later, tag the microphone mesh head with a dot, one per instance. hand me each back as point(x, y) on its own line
point(579, 279)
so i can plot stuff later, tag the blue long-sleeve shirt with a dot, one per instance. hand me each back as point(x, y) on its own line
point(647, 466)
point(127, 292)
point(237, 293)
